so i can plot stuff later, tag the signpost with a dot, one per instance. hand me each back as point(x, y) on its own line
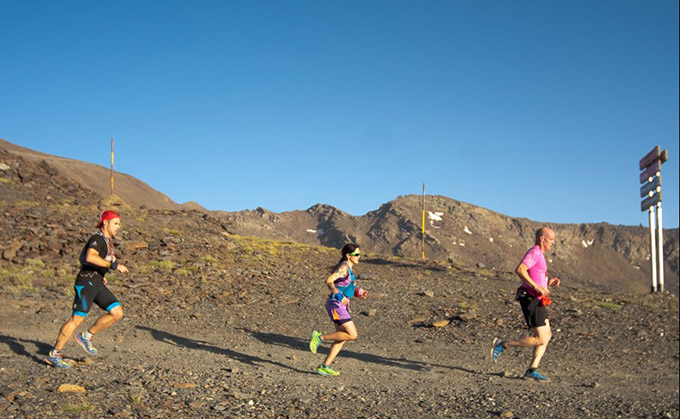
point(650, 192)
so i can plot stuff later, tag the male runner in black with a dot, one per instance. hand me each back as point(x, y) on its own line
point(96, 259)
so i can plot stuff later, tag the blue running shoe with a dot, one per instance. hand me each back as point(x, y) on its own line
point(536, 376)
point(315, 342)
point(497, 349)
point(86, 344)
point(56, 360)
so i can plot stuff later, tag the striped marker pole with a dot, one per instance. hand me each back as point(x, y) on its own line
point(422, 216)
point(111, 165)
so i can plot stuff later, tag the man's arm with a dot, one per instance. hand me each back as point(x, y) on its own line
point(92, 257)
point(554, 281)
point(523, 272)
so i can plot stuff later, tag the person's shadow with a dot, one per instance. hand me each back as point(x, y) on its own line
point(16, 345)
point(175, 340)
point(303, 345)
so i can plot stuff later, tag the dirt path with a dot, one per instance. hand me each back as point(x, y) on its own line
point(252, 359)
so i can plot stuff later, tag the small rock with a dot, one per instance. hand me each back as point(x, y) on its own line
point(70, 388)
point(428, 293)
point(441, 323)
point(185, 385)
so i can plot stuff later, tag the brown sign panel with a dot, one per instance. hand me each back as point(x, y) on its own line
point(651, 186)
point(649, 202)
point(650, 157)
point(650, 171)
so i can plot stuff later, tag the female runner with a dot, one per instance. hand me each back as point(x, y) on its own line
point(342, 284)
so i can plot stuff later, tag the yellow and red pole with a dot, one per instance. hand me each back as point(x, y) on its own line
point(111, 165)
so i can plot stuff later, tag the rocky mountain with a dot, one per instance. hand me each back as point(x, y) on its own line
point(605, 256)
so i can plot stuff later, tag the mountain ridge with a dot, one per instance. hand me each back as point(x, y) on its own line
point(601, 255)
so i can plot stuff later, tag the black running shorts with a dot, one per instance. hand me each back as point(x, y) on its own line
point(534, 314)
point(90, 288)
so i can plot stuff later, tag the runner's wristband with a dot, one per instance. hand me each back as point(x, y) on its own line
point(339, 296)
point(113, 265)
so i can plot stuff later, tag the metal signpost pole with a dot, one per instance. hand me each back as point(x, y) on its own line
point(653, 243)
point(650, 192)
point(659, 248)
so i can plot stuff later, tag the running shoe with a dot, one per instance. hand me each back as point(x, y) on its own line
point(326, 370)
point(56, 360)
point(536, 376)
point(497, 349)
point(315, 342)
point(86, 344)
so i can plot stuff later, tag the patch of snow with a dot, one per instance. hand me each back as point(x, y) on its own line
point(435, 216)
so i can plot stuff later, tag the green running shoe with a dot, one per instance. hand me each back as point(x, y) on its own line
point(326, 370)
point(315, 342)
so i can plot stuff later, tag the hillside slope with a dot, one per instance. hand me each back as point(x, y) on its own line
point(94, 177)
point(603, 256)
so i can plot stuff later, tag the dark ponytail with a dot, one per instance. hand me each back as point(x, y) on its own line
point(346, 250)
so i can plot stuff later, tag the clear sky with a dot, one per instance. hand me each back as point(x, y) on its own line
point(538, 109)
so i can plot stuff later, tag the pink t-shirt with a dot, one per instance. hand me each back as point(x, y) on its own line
point(537, 268)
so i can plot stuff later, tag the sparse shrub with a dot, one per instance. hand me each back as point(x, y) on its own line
point(166, 265)
point(35, 263)
point(607, 304)
point(78, 408)
point(26, 204)
point(209, 260)
point(464, 305)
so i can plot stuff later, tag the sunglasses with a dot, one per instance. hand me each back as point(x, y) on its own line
point(355, 254)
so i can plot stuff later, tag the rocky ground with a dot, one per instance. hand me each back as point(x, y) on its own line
point(218, 325)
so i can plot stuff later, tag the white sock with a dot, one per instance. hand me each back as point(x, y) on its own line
point(87, 335)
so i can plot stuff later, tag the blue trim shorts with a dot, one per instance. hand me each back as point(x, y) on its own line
point(89, 288)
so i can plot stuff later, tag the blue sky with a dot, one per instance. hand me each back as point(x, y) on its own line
point(537, 109)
